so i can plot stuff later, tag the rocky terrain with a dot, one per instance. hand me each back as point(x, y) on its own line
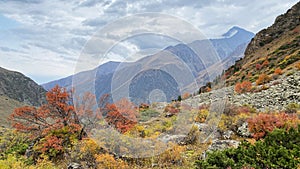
point(278, 94)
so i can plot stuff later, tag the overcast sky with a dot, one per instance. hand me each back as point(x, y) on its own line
point(43, 39)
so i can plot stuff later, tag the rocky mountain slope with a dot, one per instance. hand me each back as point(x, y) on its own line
point(275, 95)
point(277, 46)
point(16, 86)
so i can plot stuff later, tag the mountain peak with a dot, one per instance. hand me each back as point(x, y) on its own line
point(233, 31)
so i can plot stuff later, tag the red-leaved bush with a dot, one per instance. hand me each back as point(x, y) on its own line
point(122, 115)
point(263, 123)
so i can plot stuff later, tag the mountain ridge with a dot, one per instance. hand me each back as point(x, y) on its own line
point(19, 87)
point(229, 49)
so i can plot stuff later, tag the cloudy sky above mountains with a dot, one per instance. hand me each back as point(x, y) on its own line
point(43, 39)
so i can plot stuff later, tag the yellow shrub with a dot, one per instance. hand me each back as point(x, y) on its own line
point(12, 162)
point(230, 122)
point(172, 156)
point(44, 163)
point(89, 145)
point(107, 161)
point(201, 116)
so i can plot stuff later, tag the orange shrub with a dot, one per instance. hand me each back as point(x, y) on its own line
point(186, 96)
point(265, 63)
point(243, 87)
point(262, 79)
point(208, 89)
point(298, 66)
point(261, 124)
point(278, 71)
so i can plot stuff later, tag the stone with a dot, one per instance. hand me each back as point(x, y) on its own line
point(243, 130)
point(221, 145)
point(179, 139)
point(74, 166)
point(227, 134)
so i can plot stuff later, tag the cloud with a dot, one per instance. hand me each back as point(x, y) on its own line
point(96, 22)
point(52, 34)
point(6, 49)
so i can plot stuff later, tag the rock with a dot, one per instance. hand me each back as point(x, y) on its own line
point(221, 145)
point(227, 134)
point(168, 114)
point(243, 130)
point(201, 126)
point(179, 139)
point(74, 166)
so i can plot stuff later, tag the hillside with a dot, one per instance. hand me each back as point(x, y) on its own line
point(277, 46)
point(7, 106)
point(16, 86)
point(251, 125)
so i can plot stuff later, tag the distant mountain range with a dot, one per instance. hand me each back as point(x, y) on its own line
point(165, 74)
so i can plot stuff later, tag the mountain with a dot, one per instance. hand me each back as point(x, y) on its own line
point(277, 46)
point(231, 41)
point(17, 90)
point(17, 86)
point(139, 79)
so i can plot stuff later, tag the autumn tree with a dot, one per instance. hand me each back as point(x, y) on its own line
point(53, 126)
point(56, 114)
point(122, 115)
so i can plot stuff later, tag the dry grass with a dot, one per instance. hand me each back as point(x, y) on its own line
point(7, 106)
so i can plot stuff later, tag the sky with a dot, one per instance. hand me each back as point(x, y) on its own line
point(44, 39)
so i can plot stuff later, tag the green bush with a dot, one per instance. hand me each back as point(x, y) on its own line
point(280, 149)
point(12, 142)
point(148, 114)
